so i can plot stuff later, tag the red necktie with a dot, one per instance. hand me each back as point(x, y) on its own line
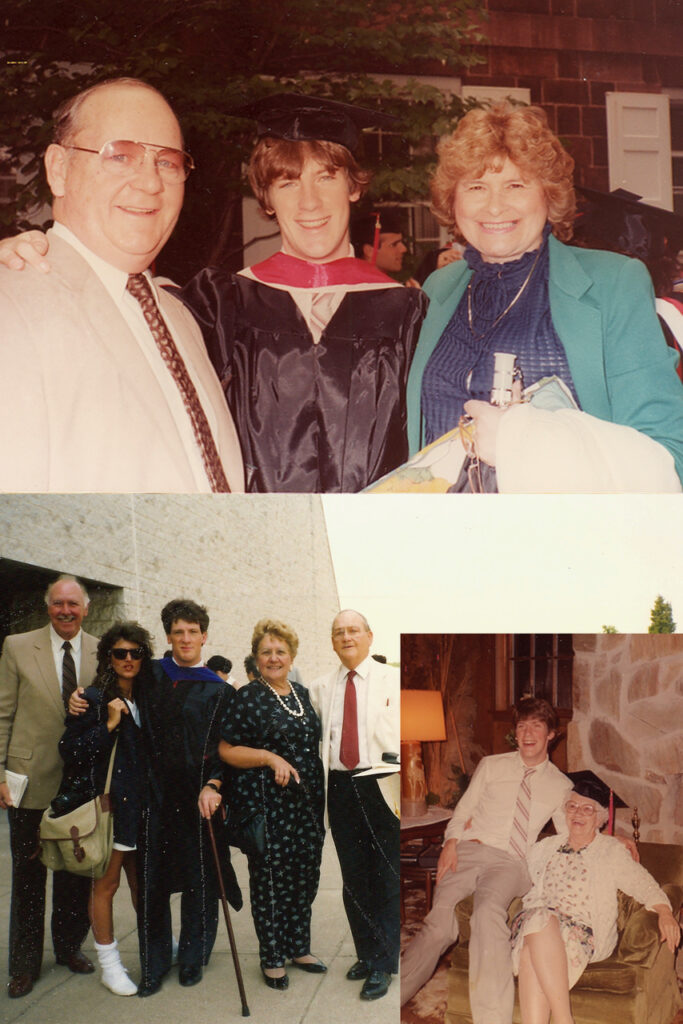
point(139, 287)
point(348, 748)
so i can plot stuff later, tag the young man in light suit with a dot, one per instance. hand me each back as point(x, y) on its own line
point(37, 673)
point(360, 722)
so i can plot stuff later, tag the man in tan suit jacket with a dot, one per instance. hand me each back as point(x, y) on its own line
point(95, 398)
point(33, 685)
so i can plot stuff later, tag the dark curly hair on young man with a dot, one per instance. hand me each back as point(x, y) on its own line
point(188, 611)
point(535, 707)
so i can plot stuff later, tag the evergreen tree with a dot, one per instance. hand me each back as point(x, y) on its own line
point(661, 617)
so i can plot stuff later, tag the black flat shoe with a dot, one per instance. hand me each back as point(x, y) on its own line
point(375, 985)
point(150, 988)
point(191, 974)
point(358, 971)
point(314, 967)
point(278, 983)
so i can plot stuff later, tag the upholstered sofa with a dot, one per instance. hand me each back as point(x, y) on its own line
point(635, 985)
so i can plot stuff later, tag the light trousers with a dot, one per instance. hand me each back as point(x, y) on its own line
point(495, 878)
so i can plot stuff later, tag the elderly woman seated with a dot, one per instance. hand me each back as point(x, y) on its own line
point(569, 916)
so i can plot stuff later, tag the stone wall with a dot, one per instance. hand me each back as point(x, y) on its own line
point(627, 725)
point(242, 556)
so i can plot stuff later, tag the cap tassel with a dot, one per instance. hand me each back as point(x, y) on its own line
point(375, 241)
point(610, 820)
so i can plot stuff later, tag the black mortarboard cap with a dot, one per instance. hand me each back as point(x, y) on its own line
point(624, 224)
point(299, 118)
point(587, 783)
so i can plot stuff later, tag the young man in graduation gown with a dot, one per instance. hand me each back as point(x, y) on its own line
point(181, 712)
point(312, 345)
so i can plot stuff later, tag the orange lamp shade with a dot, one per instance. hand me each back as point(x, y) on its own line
point(422, 716)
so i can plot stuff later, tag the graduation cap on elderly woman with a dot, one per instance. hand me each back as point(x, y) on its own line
point(588, 784)
point(299, 118)
point(620, 221)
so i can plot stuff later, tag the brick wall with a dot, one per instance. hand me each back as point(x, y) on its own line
point(568, 53)
point(242, 556)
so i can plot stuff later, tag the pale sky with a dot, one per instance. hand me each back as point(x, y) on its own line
point(494, 563)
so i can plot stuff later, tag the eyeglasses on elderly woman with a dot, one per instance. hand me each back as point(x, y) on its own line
point(583, 810)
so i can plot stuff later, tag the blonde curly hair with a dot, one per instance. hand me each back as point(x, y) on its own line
point(482, 141)
point(273, 627)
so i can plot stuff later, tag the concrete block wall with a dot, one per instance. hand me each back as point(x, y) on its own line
point(243, 557)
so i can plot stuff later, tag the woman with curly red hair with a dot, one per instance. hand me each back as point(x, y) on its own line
point(504, 185)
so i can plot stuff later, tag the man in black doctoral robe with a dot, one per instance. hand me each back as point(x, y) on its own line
point(312, 345)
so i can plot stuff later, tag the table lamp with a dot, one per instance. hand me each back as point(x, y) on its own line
point(422, 721)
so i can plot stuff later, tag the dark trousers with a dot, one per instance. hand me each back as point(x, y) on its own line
point(70, 923)
point(366, 835)
point(198, 903)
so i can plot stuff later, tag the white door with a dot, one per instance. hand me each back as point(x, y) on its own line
point(639, 145)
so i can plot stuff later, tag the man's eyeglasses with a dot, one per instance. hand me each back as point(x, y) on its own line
point(121, 653)
point(123, 158)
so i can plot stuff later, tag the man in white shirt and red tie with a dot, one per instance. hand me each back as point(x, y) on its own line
point(108, 386)
point(508, 801)
point(359, 705)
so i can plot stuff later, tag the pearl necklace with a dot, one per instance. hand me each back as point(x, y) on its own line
point(480, 337)
point(278, 698)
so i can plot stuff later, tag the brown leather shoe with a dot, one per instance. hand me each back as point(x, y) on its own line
point(77, 962)
point(19, 985)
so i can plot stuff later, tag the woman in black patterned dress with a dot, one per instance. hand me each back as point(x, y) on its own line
point(271, 737)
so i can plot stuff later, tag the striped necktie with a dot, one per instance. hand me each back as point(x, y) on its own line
point(348, 747)
point(69, 681)
point(323, 306)
point(139, 288)
point(520, 823)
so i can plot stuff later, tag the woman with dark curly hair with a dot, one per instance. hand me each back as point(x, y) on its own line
point(271, 736)
point(504, 185)
point(123, 666)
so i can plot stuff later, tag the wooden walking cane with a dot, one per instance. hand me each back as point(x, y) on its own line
point(228, 923)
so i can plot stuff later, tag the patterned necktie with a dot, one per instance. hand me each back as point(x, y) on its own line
point(139, 287)
point(520, 824)
point(348, 748)
point(69, 681)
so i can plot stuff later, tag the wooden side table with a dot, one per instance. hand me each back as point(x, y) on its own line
point(421, 840)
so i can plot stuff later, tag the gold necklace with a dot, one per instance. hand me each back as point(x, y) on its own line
point(480, 337)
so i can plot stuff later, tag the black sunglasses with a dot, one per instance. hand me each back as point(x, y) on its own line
point(121, 653)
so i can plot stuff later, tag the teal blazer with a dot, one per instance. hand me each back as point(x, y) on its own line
point(602, 306)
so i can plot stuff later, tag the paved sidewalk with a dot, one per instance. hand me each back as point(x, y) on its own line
point(60, 997)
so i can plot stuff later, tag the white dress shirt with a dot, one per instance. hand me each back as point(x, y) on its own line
point(337, 715)
point(486, 810)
